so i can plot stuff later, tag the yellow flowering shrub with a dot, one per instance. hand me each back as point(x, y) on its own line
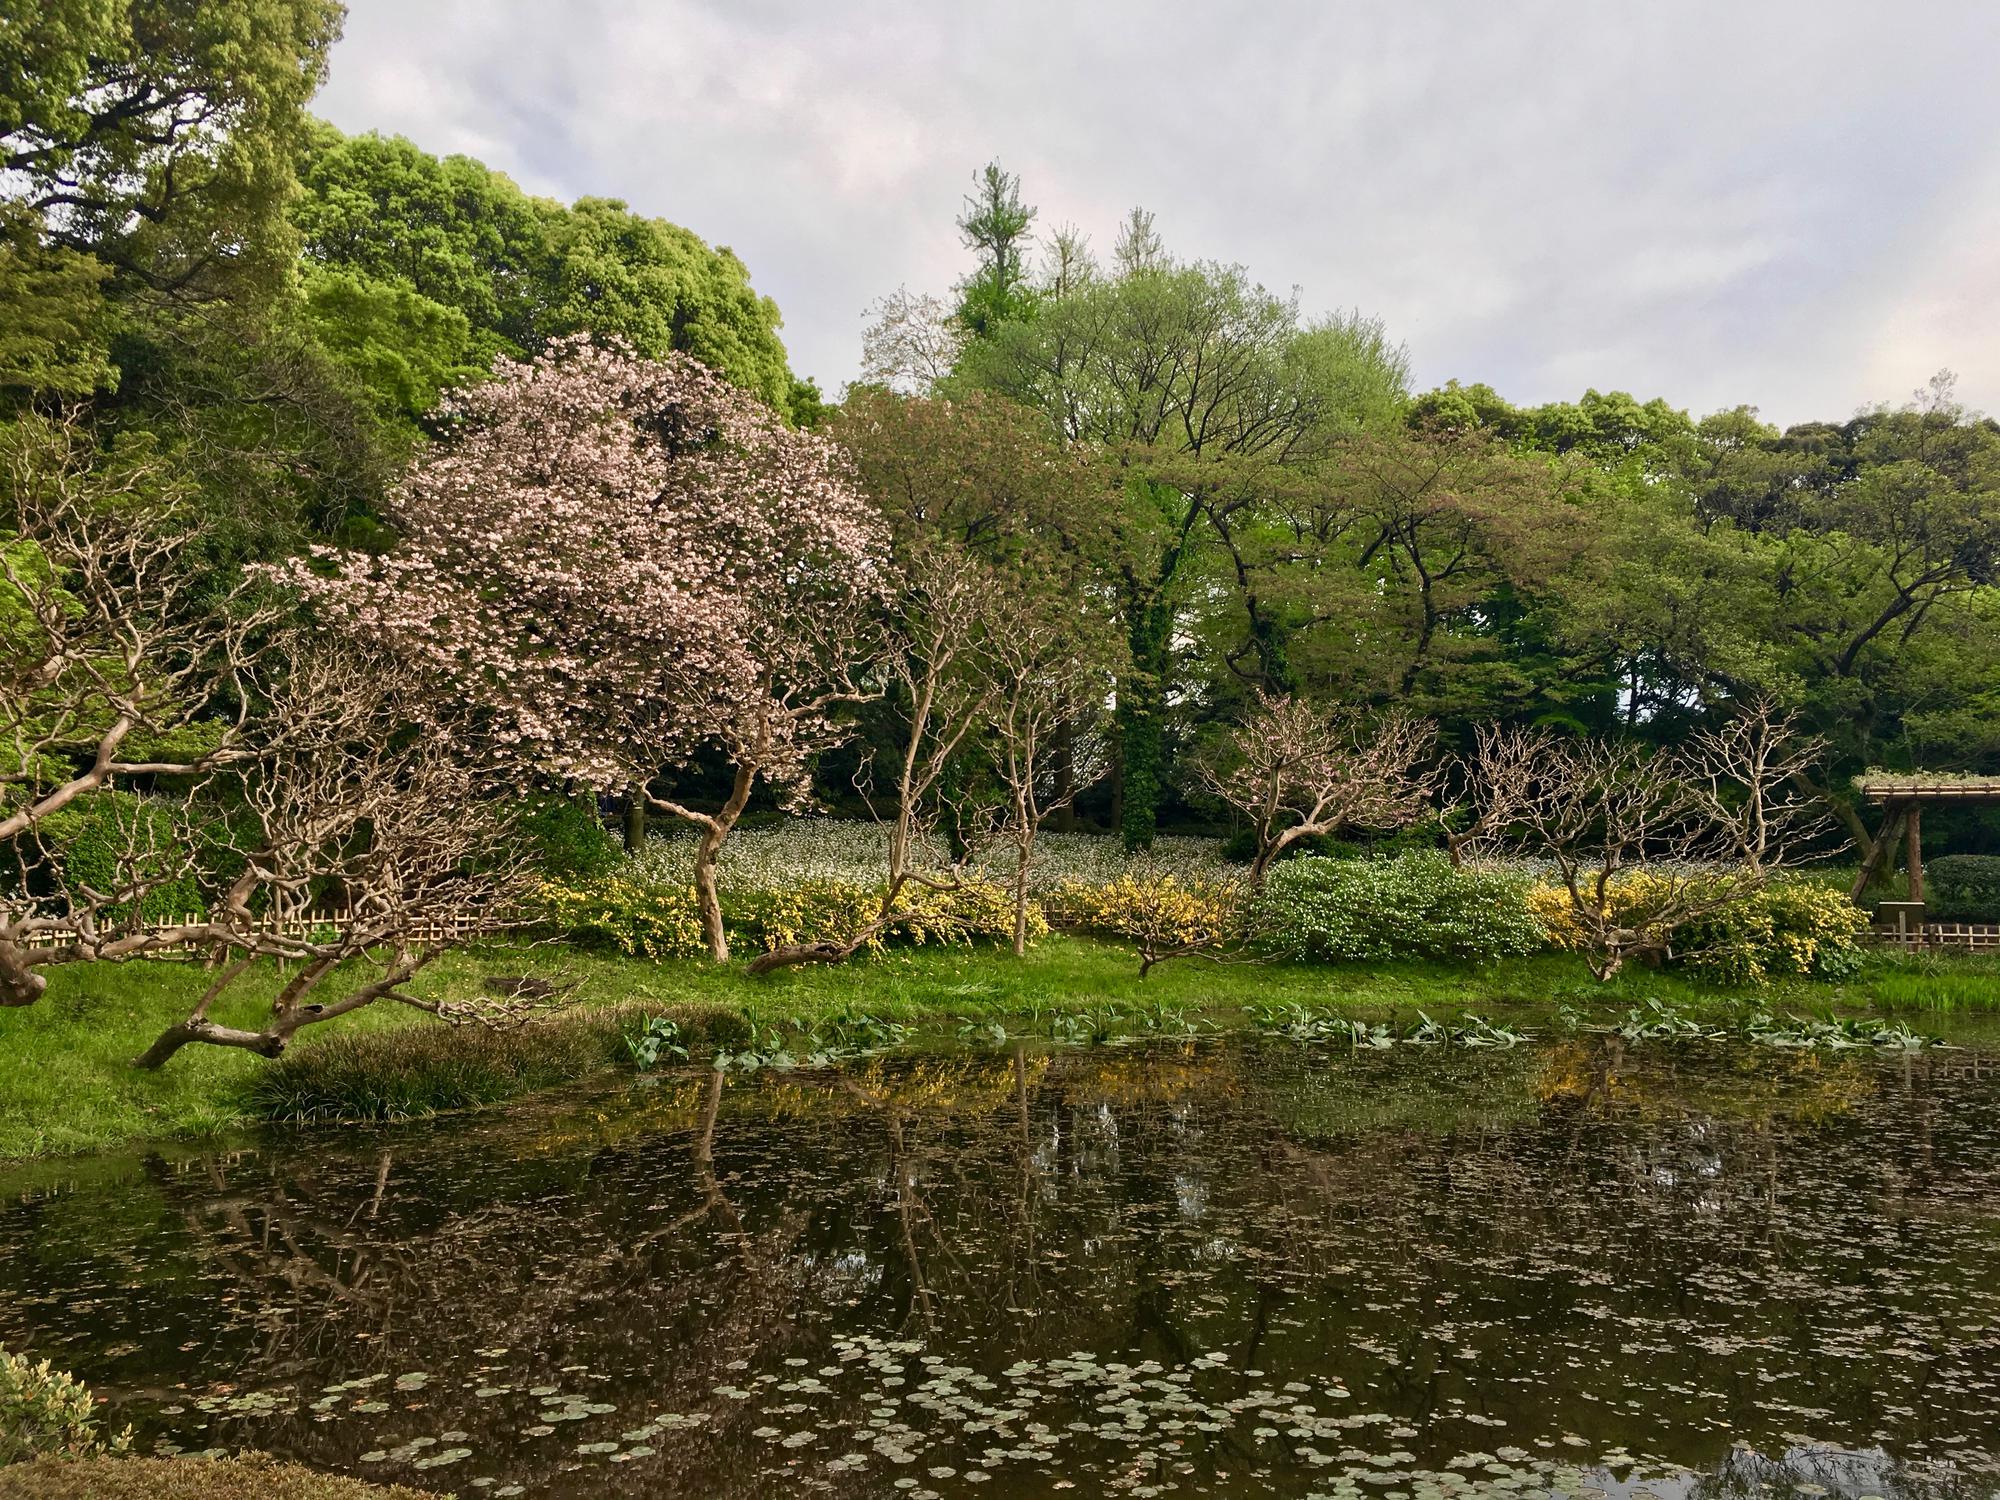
point(817, 911)
point(1793, 928)
point(1164, 911)
point(642, 918)
point(45, 1412)
point(658, 919)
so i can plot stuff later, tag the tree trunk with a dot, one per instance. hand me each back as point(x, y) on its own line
point(1022, 855)
point(802, 953)
point(708, 898)
point(635, 817)
point(1879, 853)
point(1140, 720)
point(263, 1043)
point(19, 984)
point(707, 850)
point(1065, 774)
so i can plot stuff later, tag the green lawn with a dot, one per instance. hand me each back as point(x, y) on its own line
point(66, 1084)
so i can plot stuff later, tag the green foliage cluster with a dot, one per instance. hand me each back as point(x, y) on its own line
point(1414, 905)
point(1963, 888)
point(46, 1413)
point(567, 839)
point(104, 841)
point(419, 269)
point(1792, 927)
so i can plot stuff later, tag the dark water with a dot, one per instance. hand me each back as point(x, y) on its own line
point(1222, 1268)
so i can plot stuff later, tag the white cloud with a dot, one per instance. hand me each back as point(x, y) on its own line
point(1792, 204)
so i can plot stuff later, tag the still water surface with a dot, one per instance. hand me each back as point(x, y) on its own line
point(1222, 1268)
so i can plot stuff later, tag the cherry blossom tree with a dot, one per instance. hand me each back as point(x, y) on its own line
point(1298, 771)
point(627, 561)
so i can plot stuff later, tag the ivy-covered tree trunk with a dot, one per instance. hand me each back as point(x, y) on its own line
point(1140, 721)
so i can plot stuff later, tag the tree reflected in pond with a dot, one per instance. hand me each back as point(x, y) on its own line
point(1205, 1268)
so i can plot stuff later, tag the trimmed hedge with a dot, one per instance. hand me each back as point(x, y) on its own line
point(251, 1477)
point(1413, 906)
point(1963, 888)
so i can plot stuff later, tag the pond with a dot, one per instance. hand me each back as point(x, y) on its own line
point(1219, 1267)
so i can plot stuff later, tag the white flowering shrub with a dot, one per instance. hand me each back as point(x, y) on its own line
point(1413, 906)
point(853, 853)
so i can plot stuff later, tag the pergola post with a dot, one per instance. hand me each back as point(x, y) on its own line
point(1882, 852)
point(1914, 852)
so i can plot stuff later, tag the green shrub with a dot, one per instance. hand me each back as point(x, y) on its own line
point(45, 1413)
point(1412, 906)
point(1964, 888)
point(93, 839)
point(567, 838)
point(1791, 928)
point(252, 1476)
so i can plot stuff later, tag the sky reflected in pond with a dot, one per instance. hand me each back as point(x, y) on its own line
point(1222, 1268)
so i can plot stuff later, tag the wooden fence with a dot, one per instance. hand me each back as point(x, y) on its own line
point(301, 925)
point(1966, 937)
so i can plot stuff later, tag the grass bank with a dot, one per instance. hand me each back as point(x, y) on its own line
point(186, 1479)
point(66, 1085)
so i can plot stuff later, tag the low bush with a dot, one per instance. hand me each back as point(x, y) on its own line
point(636, 915)
point(250, 1477)
point(1163, 915)
point(1415, 905)
point(1964, 888)
point(568, 839)
point(1795, 928)
point(45, 1413)
point(101, 841)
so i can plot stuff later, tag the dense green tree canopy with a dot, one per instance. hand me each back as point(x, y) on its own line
point(158, 134)
point(521, 271)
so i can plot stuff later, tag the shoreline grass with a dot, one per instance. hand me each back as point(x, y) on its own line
point(66, 1085)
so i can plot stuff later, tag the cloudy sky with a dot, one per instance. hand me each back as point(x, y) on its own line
point(1790, 203)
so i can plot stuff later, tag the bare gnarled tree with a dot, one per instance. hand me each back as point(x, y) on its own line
point(1298, 771)
point(121, 662)
point(1708, 823)
point(375, 845)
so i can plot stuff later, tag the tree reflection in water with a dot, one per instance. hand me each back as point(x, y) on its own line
point(1215, 1268)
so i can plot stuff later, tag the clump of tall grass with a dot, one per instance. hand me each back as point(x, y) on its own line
point(414, 1071)
point(1899, 982)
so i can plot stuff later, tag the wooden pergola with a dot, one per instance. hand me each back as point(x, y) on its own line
point(1903, 796)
